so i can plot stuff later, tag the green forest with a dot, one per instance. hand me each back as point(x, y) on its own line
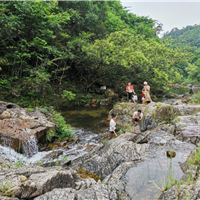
point(188, 39)
point(61, 52)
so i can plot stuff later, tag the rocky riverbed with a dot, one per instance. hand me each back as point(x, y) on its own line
point(125, 166)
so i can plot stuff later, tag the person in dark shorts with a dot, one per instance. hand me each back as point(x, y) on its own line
point(137, 116)
point(113, 128)
point(130, 91)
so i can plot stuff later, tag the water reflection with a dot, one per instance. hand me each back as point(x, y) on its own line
point(139, 179)
point(90, 118)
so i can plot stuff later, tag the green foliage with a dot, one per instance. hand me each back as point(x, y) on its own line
point(128, 128)
point(125, 105)
point(195, 159)
point(65, 158)
point(63, 130)
point(116, 104)
point(177, 119)
point(196, 98)
point(55, 52)
point(31, 109)
point(40, 163)
point(49, 136)
point(159, 105)
point(52, 42)
point(105, 142)
point(69, 95)
point(188, 40)
point(6, 186)
point(19, 164)
point(57, 162)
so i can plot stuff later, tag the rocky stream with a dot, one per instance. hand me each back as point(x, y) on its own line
point(93, 165)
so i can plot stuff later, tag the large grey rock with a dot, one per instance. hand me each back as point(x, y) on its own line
point(32, 181)
point(119, 150)
point(96, 192)
point(117, 178)
point(188, 128)
point(170, 194)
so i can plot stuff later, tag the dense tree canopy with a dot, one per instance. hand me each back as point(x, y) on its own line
point(188, 40)
point(51, 48)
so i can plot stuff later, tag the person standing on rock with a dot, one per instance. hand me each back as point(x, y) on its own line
point(130, 91)
point(137, 116)
point(113, 128)
point(147, 92)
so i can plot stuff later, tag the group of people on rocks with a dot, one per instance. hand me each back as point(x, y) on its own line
point(138, 115)
point(132, 95)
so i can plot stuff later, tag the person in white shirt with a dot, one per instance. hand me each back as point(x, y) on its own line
point(137, 116)
point(113, 128)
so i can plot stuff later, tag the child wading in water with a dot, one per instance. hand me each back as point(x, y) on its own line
point(143, 96)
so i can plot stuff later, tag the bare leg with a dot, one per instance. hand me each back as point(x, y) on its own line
point(133, 120)
point(134, 100)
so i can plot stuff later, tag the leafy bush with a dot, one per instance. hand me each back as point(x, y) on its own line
point(196, 98)
point(63, 130)
point(49, 136)
point(68, 95)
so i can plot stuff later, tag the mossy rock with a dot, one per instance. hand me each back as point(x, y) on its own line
point(171, 95)
point(164, 113)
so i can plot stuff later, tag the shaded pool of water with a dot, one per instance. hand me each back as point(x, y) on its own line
point(156, 166)
point(140, 185)
point(90, 118)
point(177, 91)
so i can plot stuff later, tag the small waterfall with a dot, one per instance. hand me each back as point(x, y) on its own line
point(7, 141)
point(30, 147)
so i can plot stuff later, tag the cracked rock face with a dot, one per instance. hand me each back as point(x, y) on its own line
point(33, 181)
point(188, 128)
point(107, 159)
point(97, 192)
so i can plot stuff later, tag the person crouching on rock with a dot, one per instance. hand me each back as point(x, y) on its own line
point(137, 116)
point(113, 128)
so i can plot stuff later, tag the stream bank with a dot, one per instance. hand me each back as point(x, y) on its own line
point(118, 162)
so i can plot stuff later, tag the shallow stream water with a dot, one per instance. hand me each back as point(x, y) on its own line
point(178, 91)
point(90, 125)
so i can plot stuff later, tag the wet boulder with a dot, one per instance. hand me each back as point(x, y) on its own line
point(21, 129)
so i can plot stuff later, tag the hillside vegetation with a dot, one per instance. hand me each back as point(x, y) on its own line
point(188, 39)
point(57, 52)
